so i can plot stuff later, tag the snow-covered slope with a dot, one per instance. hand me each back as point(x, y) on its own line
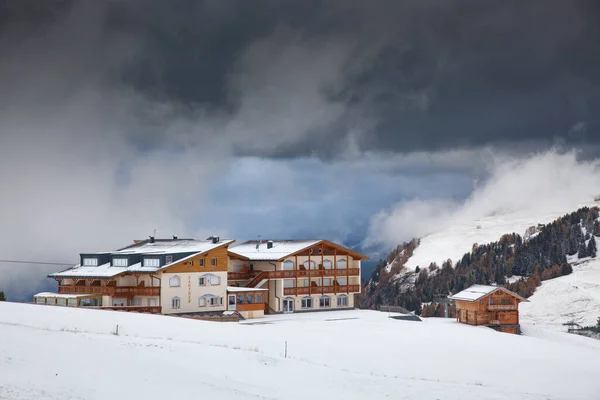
point(458, 238)
point(61, 353)
point(574, 297)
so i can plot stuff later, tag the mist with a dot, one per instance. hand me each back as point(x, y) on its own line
point(546, 182)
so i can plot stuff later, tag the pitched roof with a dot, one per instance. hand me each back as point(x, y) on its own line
point(476, 292)
point(258, 251)
point(159, 246)
point(171, 246)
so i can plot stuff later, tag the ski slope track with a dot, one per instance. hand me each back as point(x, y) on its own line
point(64, 353)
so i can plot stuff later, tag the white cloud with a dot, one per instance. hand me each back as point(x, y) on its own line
point(538, 184)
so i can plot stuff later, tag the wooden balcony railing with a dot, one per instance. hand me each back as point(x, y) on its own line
point(308, 273)
point(110, 290)
point(141, 309)
point(321, 290)
point(136, 291)
point(74, 289)
point(502, 307)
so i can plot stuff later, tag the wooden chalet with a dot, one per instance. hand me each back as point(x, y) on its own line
point(493, 306)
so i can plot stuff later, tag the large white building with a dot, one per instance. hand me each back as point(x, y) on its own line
point(187, 276)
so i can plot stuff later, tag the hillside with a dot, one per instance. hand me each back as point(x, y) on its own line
point(511, 249)
point(62, 353)
point(574, 297)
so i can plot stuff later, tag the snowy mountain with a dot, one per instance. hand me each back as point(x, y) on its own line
point(573, 297)
point(67, 353)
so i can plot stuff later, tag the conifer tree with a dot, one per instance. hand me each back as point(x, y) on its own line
point(591, 250)
point(596, 228)
point(2, 296)
point(582, 253)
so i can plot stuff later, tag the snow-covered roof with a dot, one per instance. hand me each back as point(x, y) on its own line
point(101, 271)
point(476, 292)
point(258, 251)
point(160, 246)
point(171, 246)
point(235, 289)
point(65, 296)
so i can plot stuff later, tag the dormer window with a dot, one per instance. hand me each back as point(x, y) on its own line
point(151, 262)
point(120, 262)
point(90, 262)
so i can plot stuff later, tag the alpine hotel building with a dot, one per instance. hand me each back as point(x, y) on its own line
point(188, 276)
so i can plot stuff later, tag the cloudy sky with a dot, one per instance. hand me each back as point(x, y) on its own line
point(336, 119)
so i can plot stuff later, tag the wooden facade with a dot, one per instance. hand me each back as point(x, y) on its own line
point(498, 309)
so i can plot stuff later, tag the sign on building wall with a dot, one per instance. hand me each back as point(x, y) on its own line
point(189, 289)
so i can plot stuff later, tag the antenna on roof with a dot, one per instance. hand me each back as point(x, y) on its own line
point(258, 243)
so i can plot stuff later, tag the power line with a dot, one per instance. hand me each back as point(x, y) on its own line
point(34, 262)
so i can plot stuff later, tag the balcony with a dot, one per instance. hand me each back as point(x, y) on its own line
point(75, 289)
point(290, 274)
point(321, 290)
point(127, 291)
point(136, 291)
point(140, 309)
point(502, 307)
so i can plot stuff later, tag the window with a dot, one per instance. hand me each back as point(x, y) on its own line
point(152, 302)
point(342, 281)
point(259, 298)
point(342, 301)
point(289, 283)
point(310, 264)
point(168, 259)
point(213, 262)
point(201, 261)
point(210, 300)
point(288, 265)
point(327, 264)
point(40, 300)
point(215, 280)
point(136, 302)
point(209, 279)
point(327, 281)
point(191, 263)
point(90, 262)
point(72, 302)
point(240, 299)
point(202, 281)
point(151, 262)
point(491, 300)
point(342, 264)
point(175, 302)
point(324, 301)
point(119, 262)
point(249, 298)
point(61, 302)
point(307, 302)
point(174, 281)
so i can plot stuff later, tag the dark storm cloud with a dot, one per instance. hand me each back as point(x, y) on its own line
point(397, 76)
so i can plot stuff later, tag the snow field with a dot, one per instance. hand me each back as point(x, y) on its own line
point(63, 353)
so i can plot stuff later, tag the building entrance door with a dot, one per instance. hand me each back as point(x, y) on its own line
point(231, 302)
point(288, 306)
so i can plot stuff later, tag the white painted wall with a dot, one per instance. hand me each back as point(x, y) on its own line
point(190, 291)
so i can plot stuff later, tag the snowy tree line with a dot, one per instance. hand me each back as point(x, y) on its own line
point(545, 255)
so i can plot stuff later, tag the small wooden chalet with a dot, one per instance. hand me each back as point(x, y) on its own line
point(493, 306)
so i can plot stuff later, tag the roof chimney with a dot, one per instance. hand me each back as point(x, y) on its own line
point(174, 237)
point(270, 244)
point(214, 239)
point(151, 239)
